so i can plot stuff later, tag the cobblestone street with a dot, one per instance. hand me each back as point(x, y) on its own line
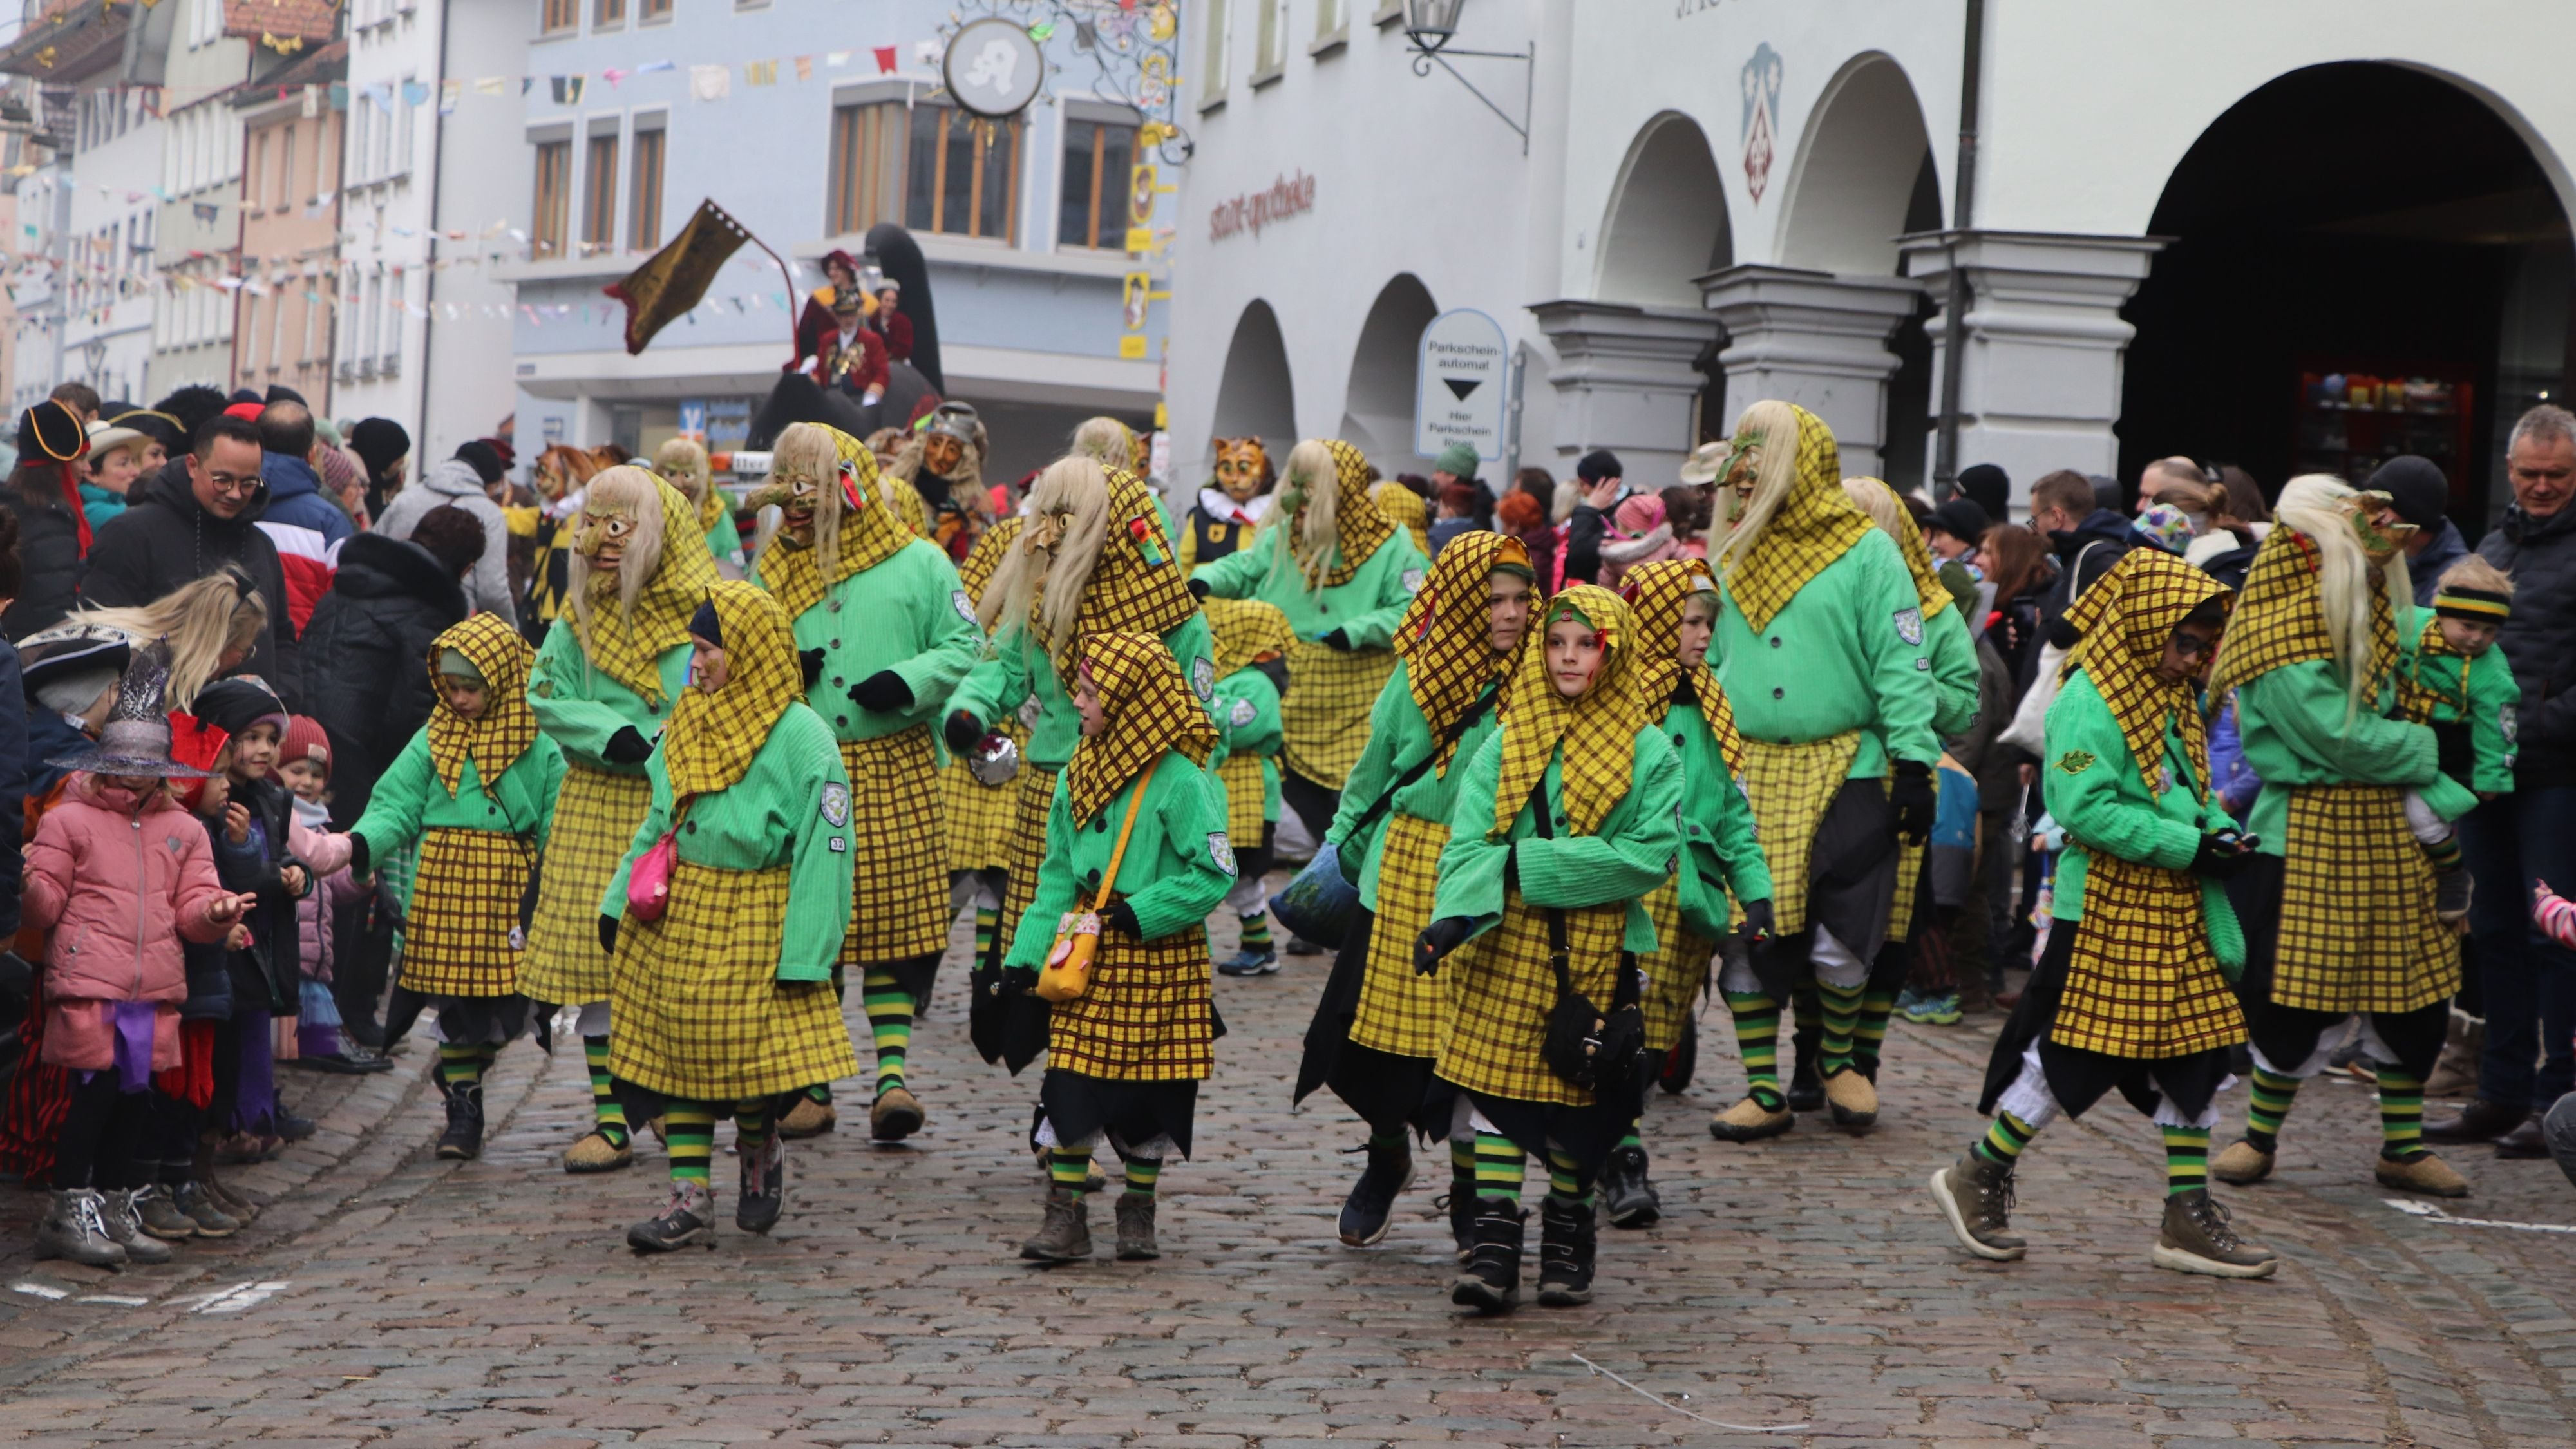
point(388, 1299)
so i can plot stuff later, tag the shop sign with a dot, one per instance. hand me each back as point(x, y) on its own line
point(1284, 198)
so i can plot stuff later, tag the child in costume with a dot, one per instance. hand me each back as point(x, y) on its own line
point(304, 769)
point(1674, 602)
point(2133, 992)
point(601, 691)
point(2458, 682)
point(1376, 1032)
point(1566, 820)
point(1136, 852)
point(114, 975)
point(884, 614)
point(979, 791)
point(1252, 641)
point(1230, 507)
point(476, 788)
point(726, 991)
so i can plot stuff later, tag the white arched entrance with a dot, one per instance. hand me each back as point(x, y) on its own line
point(1254, 396)
point(1377, 406)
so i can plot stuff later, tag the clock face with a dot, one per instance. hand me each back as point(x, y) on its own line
point(993, 68)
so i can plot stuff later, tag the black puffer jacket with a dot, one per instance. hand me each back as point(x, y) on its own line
point(49, 561)
point(166, 540)
point(366, 653)
point(2539, 640)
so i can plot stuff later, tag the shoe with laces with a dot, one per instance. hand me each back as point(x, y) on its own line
point(1136, 1228)
point(1065, 1235)
point(212, 1221)
point(2197, 1238)
point(1977, 1196)
point(688, 1219)
point(1249, 963)
point(161, 1217)
point(74, 1229)
point(764, 1187)
point(124, 1226)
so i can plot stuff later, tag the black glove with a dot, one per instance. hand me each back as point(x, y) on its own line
point(810, 661)
point(1757, 920)
point(1198, 588)
point(883, 691)
point(627, 747)
point(357, 857)
point(608, 934)
point(1512, 867)
point(1336, 640)
point(2222, 854)
point(1910, 791)
point(964, 732)
point(1437, 940)
point(1120, 916)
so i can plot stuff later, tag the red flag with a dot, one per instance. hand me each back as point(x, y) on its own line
point(885, 59)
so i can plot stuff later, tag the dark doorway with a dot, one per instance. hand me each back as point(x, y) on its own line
point(2359, 253)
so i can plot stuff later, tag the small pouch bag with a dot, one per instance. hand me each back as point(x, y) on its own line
point(1067, 973)
point(648, 885)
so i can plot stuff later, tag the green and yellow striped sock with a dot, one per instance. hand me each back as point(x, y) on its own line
point(1498, 1167)
point(2186, 1160)
point(751, 1124)
point(689, 1130)
point(1142, 1174)
point(1565, 1183)
point(1757, 1041)
point(2267, 1102)
point(988, 925)
point(1256, 931)
point(2401, 1115)
point(608, 1115)
point(461, 1066)
point(1869, 1032)
point(1630, 1138)
point(2445, 852)
point(1462, 1168)
point(2005, 1139)
point(1841, 1008)
point(1069, 1169)
point(889, 1009)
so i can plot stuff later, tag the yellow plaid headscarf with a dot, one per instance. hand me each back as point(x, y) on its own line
point(713, 737)
point(1446, 635)
point(1598, 730)
point(1656, 593)
point(1246, 630)
point(495, 739)
point(1148, 709)
point(1816, 525)
point(711, 506)
point(628, 647)
point(986, 556)
point(1934, 594)
point(2125, 619)
point(1137, 587)
point(869, 534)
point(2280, 618)
point(1404, 507)
point(1361, 524)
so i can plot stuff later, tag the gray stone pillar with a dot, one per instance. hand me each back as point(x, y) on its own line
point(1625, 379)
point(1817, 340)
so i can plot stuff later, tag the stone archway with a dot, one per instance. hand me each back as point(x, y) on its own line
point(1254, 395)
point(1377, 406)
point(1667, 223)
point(1834, 326)
point(2428, 271)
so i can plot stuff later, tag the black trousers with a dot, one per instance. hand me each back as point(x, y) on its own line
point(109, 1139)
point(1314, 802)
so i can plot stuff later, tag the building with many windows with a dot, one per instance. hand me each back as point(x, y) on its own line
point(282, 332)
point(810, 122)
point(2295, 237)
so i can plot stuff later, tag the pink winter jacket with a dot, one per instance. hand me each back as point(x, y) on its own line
point(118, 881)
point(327, 855)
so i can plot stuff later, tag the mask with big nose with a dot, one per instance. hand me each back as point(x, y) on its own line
point(602, 537)
point(796, 495)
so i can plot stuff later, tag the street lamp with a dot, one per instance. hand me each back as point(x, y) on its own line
point(1431, 24)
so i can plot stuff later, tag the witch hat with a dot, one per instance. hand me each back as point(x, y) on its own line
point(136, 738)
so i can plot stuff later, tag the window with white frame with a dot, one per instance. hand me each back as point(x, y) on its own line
point(1214, 19)
point(403, 124)
point(390, 353)
point(1270, 52)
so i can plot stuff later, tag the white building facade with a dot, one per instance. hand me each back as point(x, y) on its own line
point(1724, 200)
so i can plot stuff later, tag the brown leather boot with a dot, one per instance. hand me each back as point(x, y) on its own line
point(1065, 1237)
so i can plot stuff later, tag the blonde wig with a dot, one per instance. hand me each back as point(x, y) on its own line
point(629, 489)
point(682, 462)
point(804, 451)
point(1107, 440)
point(2320, 507)
point(1317, 520)
point(1774, 456)
point(1050, 563)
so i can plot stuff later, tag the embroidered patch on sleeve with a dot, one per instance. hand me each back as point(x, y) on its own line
point(964, 606)
point(1909, 625)
point(836, 804)
point(1242, 714)
point(1203, 677)
point(2509, 721)
point(2075, 762)
point(1413, 581)
point(1221, 851)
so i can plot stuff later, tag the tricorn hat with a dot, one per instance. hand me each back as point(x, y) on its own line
point(136, 738)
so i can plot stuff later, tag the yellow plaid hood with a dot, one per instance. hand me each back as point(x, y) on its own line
point(1148, 709)
point(2124, 620)
point(868, 535)
point(1816, 525)
point(1598, 729)
point(1404, 508)
point(1361, 524)
point(1446, 635)
point(2280, 618)
point(1656, 593)
point(497, 738)
point(2422, 689)
point(1246, 631)
point(1137, 587)
point(1918, 554)
point(628, 647)
point(986, 556)
point(713, 736)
